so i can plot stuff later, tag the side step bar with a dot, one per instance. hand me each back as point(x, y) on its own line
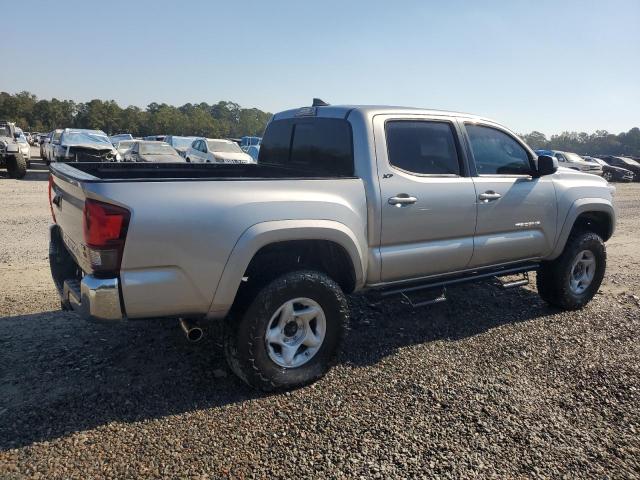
point(442, 283)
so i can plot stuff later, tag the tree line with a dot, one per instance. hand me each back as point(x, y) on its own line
point(600, 142)
point(228, 119)
point(220, 120)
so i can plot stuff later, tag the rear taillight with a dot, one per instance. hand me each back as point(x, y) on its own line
point(105, 229)
point(51, 197)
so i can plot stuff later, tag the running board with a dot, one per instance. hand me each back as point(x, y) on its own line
point(439, 299)
point(513, 284)
point(471, 277)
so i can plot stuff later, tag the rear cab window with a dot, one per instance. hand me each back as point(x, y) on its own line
point(316, 146)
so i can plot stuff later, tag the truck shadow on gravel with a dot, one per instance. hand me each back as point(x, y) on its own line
point(59, 375)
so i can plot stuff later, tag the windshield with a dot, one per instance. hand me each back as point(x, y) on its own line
point(223, 147)
point(629, 161)
point(573, 157)
point(182, 142)
point(156, 149)
point(120, 137)
point(93, 136)
point(126, 144)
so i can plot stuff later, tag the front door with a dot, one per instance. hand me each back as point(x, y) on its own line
point(428, 210)
point(516, 212)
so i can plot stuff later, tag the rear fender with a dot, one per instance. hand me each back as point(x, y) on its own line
point(266, 233)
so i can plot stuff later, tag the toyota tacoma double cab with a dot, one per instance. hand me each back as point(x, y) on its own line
point(342, 199)
point(11, 156)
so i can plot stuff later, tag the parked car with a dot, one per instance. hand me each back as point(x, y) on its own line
point(572, 161)
point(53, 141)
point(24, 146)
point(120, 137)
point(34, 139)
point(152, 151)
point(83, 145)
point(11, 157)
point(123, 146)
point(44, 139)
point(624, 162)
point(611, 173)
point(210, 150)
point(343, 199)
point(253, 151)
point(157, 138)
point(180, 144)
point(246, 142)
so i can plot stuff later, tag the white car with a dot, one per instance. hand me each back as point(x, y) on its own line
point(24, 146)
point(210, 150)
point(123, 145)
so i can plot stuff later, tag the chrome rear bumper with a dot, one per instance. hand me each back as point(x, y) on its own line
point(93, 298)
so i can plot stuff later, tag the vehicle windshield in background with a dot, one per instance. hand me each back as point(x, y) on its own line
point(120, 137)
point(629, 161)
point(86, 137)
point(182, 142)
point(573, 157)
point(5, 131)
point(156, 149)
point(126, 144)
point(223, 147)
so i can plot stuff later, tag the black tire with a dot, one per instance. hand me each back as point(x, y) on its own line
point(17, 166)
point(553, 278)
point(245, 346)
point(608, 176)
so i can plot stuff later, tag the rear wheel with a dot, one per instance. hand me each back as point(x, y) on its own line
point(290, 334)
point(17, 166)
point(570, 281)
point(608, 176)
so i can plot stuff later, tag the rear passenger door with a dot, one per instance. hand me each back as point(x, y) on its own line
point(516, 211)
point(428, 211)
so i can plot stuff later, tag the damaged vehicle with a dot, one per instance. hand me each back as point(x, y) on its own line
point(150, 151)
point(80, 145)
point(11, 157)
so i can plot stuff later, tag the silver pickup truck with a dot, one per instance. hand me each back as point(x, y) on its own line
point(342, 199)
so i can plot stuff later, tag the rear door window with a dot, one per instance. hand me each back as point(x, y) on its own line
point(423, 147)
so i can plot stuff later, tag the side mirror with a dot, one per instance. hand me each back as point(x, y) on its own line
point(16, 136)
point(547, 165)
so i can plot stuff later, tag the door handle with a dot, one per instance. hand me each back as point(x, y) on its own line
point(56, 200)
point(402, 199)
point(489, 196)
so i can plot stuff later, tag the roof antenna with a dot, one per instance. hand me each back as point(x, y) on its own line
point(319, 103)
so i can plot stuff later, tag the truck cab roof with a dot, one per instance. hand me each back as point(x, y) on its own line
point(343, 111)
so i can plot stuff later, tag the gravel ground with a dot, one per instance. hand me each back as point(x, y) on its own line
point(491, 383)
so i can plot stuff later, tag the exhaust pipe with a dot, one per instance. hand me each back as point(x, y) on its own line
point(193, 332)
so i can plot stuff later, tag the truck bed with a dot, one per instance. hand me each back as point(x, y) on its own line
point(126, 172)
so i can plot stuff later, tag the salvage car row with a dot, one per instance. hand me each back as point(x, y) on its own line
point(82, 145)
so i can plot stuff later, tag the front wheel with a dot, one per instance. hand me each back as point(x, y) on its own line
point(570, 281)
point(290, 334)
point(608, 176)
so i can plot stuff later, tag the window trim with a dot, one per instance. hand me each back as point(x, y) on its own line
point(500, 128)
point(456, 143)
